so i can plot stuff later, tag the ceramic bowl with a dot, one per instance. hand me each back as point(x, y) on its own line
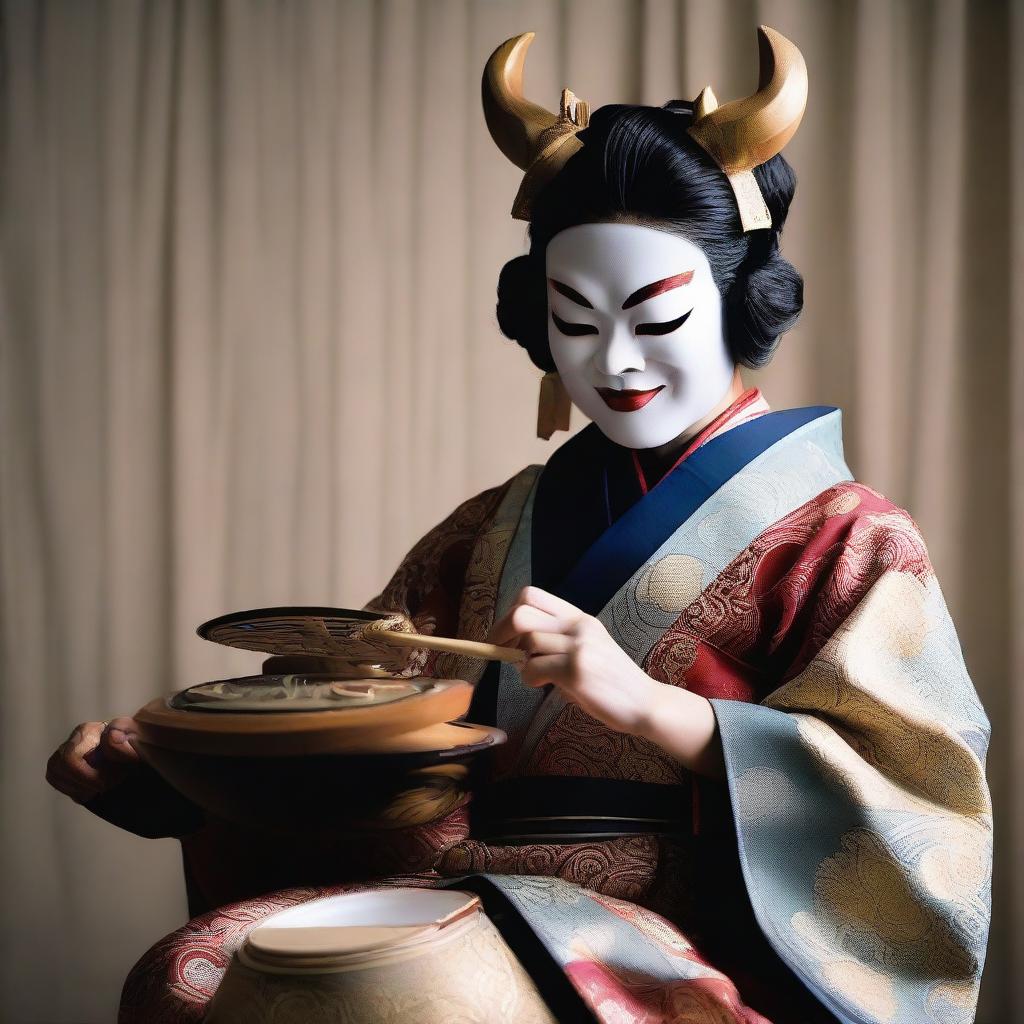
point(382, 956)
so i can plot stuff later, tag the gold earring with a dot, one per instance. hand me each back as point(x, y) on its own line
point(554, 407)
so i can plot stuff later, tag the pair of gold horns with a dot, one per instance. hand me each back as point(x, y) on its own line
point(738, 135)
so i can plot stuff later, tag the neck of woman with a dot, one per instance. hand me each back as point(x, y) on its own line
point(656, 462)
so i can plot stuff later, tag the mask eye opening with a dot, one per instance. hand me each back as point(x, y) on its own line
point(572, 329)
point(663, 328)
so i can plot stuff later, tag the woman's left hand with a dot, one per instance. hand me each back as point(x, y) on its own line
point(574, 651)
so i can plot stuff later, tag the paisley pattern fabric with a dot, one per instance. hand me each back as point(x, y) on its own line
point(841, 873)
point(226, 863)
point(484, 568)
point(643, 869)
point(456, 559)
point(178, 976)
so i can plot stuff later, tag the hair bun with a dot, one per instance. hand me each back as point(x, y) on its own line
point(764, 303)
point(522, 307)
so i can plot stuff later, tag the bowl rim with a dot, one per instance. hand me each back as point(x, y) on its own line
point(323, 731)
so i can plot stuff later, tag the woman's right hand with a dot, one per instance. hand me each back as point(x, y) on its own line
point(93, 759)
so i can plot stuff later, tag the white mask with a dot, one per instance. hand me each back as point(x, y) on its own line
point(640, 387)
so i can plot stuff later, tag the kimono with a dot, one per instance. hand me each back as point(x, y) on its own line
point(841, 872)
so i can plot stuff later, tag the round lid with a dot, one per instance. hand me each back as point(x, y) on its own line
point(375, 723)
point(281, 694)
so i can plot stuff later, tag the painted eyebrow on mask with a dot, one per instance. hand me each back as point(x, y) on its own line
point(570, 293)
point(657, 288)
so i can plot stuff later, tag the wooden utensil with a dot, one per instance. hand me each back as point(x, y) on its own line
point(452, 645)
point(361, 638)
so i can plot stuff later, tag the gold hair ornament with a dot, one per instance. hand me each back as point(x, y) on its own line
point(738, 135)
point(533, 138)
point(742, 134)
point(554, 408)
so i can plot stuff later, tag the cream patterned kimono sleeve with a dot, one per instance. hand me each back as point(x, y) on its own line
point(859, 795)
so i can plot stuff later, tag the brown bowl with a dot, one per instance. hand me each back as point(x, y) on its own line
point(364, 768)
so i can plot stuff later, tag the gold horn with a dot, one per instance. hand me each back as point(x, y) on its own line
point(744, 133)
point(535, 139)
point(514, 122)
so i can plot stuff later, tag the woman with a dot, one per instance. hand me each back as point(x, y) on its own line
point(744, 777)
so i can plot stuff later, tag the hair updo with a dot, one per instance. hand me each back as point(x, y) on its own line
point(639, 164)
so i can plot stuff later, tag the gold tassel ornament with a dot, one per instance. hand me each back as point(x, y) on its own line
point(554, 407)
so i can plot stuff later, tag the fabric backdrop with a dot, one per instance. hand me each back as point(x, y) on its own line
point(248, 350)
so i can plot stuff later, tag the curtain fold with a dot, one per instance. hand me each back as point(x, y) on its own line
point(248, 353)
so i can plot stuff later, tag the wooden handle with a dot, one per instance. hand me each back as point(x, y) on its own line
point(471, 648)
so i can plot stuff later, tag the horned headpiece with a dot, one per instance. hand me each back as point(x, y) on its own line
point(738, 135)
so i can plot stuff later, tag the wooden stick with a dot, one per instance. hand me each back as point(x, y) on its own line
point(471, 648)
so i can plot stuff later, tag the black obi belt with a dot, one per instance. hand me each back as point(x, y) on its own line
point(559, 809)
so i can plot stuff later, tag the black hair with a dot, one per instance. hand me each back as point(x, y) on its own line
point(639, 164)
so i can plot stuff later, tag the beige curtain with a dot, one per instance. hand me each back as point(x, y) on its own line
point(248, 351)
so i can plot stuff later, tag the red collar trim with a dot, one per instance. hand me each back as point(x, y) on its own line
point(748, 398)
